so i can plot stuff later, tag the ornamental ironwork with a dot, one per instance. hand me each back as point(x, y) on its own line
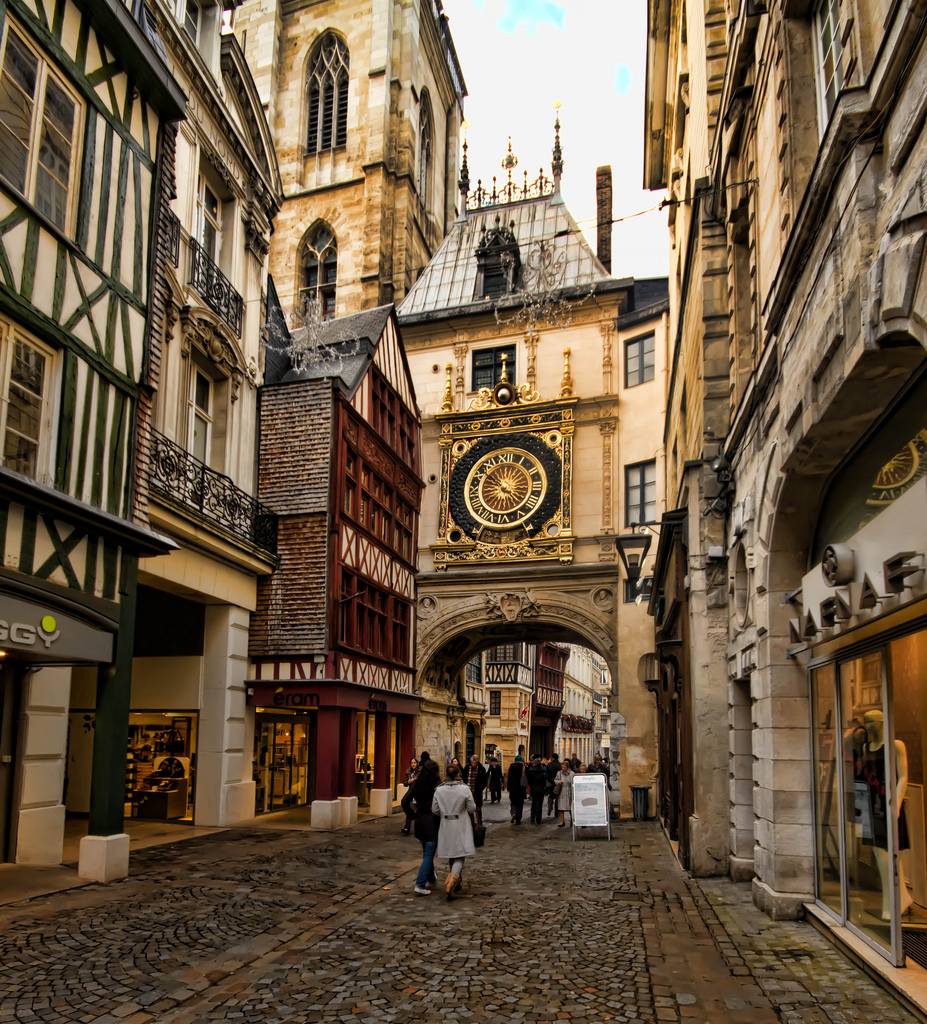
point(192, 486)
point(510, 192)
point(172, 239)
point(215, 287)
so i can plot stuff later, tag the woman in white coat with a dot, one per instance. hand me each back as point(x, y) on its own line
point(565, 797)
point(454, 804)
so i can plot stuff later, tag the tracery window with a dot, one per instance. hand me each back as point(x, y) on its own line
point(424, 148)
point(327, 87)
point(319, 266)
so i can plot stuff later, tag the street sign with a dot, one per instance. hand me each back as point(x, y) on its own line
point(590, 803)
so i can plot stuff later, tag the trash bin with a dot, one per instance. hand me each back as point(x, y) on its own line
point(640, 798)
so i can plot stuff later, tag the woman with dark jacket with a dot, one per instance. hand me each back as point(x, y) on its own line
point(417, 805)
point(537, 784)
point(516, 790)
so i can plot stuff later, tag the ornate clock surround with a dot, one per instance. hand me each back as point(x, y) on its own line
point(506, 484)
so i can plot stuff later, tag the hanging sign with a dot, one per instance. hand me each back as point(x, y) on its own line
point(590, 803)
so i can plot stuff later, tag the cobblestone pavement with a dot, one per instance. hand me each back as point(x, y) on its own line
point(271, 926)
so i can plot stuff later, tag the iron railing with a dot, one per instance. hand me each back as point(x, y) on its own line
point(172, 225)
point(188, 483)
point(215, 287)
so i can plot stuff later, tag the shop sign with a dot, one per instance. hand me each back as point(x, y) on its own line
point(294, 698)
point(46, 633)
point(590, 803)
point(377, 705)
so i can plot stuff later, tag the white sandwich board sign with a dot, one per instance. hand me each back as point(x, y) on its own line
point(590, 803)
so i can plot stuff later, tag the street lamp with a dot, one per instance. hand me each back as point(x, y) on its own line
point(633, 548)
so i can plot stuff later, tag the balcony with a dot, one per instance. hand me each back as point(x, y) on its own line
point(215, 287)
point(172, 237)
point(188, 485)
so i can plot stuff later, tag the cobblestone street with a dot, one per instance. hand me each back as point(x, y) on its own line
point(299, 926)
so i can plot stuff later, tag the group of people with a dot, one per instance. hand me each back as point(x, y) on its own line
point(445, 814)
point(547, 777)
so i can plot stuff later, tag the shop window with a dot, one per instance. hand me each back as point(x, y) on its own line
point(638, 361)
point(40, 121)
point(488, 363)
point(327, 95)
point(25, 412)
point(640, 493)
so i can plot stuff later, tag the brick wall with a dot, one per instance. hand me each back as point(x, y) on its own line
point(291, 614)
point(295, 449)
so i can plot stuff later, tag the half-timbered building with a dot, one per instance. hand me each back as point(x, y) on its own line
point(87, 102)
point(333, 637)
point(189, 734)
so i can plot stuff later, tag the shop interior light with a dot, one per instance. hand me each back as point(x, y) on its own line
point(2, 654)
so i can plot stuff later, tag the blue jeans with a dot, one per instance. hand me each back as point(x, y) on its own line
point(427, 871)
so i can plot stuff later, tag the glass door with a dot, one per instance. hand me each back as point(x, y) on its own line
point(282, 764)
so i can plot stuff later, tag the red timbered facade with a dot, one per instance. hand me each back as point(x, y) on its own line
point(548, 695)
point(333, 638)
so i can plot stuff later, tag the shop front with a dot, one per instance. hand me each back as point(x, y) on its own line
point(864, 621)
point(336, 746)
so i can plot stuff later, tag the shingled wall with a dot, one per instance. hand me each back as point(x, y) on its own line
point(291, 618)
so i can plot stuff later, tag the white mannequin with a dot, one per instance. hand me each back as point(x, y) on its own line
point(874, 723)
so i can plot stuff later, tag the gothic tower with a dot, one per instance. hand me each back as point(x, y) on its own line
point(365, 100)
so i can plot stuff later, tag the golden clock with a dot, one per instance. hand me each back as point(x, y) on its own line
point(505, 482)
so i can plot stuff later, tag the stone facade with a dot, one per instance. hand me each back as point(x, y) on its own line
point(797, 309)
point(386, 209)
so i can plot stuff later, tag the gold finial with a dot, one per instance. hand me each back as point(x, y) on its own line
point(503, 378)
point(566, 381)
point(448, 404)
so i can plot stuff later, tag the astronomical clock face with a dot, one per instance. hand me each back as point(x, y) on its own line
point(505, 483)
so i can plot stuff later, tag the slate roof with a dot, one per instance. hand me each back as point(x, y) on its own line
point(447, 283)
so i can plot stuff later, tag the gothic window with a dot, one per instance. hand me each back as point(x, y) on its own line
point(327, 88)
point(829, 53)
point(39, 124)
point(424, 148)
point(319, 267)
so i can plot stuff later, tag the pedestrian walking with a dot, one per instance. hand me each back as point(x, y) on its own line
point(417, 803)
point(574, 762)
point(407, 781)
point(553, 766)
point(537, 783)
point(599, 765)
point(515, 789)
point(453, 803)
point(475, 777)
point(494, 775)
point(565, 794)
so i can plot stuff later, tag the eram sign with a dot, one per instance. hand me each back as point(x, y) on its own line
point(295, 698)
point(29, 633)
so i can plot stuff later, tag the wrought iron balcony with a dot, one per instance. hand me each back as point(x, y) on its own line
point(186, 483)
point(172, 228)
point(215, 287)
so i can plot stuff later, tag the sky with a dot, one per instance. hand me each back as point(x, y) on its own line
point(518, 57)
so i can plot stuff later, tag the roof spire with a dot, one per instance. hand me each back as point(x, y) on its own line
point(556, 164)
point(463, 182)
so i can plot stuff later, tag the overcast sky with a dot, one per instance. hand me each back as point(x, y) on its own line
point(518, 57)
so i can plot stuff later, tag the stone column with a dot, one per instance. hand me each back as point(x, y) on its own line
point(381, 796)
point(224, 778)
point(347, 742)
point(326, 808)
point(38, 824)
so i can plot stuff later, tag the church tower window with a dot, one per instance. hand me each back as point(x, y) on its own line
point(319, 270)
point(327, 88)
point(424, 148)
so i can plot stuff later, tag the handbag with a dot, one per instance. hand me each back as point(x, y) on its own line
point(558, 788)
point(479, 835)
point(524, 781)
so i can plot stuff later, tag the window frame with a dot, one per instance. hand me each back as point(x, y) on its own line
point(826, 14)
point(639, 344)
point(495, 701)
point(335, 73)
point(323, 289)
point(640, 468)
point(196, 411)
point(10, 334)
point(46, 69)
point(497, 352)
point(204, 218)
point(425, 144)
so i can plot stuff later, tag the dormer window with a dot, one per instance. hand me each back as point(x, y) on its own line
point(498, 262)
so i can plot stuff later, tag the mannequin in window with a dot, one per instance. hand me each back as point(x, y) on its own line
point(869, 768)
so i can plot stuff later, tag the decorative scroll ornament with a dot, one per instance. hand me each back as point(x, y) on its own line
point(307, 350)
point(511, 607)
point(502, 394)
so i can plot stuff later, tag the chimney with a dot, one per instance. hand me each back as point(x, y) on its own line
point(603, 206)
